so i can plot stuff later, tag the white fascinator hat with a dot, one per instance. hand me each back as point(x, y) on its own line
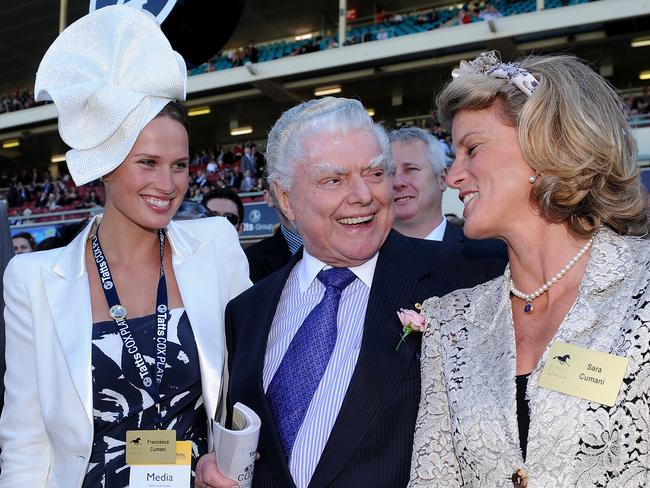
point(109, 74)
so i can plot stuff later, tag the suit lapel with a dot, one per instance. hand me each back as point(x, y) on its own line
point(379, 368)
point(277, 251)
point(269, 436)
point(190, 259)
point(452, 233)
point(498, 364)
point(67, 278)
point(73, 325)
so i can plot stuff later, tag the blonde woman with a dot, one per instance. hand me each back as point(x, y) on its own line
point(123, 328)
point(545, 161)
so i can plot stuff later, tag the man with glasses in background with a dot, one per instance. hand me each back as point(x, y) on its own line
point(226, 203)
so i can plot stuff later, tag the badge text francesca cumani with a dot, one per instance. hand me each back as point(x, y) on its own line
point(158, 445)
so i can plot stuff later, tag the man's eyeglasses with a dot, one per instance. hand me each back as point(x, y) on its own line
point(189, 210)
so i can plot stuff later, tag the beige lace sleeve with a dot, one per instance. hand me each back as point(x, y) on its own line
point(433, 461)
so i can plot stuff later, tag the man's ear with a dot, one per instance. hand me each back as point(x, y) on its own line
point(443, 180)
point(284, 201)
point(268, 199)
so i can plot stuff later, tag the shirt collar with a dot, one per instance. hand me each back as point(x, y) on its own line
point(294, 240)
point(309, 266)
point(438, 233)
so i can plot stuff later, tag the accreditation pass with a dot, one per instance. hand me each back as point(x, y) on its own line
point(157, 459)
point(583, 373)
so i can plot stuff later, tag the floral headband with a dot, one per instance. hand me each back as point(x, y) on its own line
point(489, 64)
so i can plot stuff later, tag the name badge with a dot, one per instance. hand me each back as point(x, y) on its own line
point(583, 373)
point(150, 447)
point(165, 475)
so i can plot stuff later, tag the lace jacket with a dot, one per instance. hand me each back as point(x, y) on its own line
point(466, 433)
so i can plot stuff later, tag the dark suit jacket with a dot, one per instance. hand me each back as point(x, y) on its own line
point(371, 441)
point(267, 256)
point(475, 248)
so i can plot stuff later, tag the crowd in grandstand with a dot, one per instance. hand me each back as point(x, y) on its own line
point(476, 12)
point(239, 167)
point(17, 100)
point(241, 56)
point(385, 25)
point(38, 190)
point(382, 25)
point(638, 105)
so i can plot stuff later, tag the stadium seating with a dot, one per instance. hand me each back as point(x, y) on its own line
point(408, 25)
point(369, 32)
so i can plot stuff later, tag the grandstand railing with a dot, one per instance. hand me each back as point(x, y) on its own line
point(77, 215)
point(358, 29)
point(49, 218)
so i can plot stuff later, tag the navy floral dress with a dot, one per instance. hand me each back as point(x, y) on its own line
point(121, 403)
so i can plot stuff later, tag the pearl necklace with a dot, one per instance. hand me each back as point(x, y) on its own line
point(528, 308)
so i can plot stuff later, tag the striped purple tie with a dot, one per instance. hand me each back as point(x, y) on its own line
point(305, 361)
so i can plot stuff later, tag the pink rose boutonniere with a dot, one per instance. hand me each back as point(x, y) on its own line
point(412, 321)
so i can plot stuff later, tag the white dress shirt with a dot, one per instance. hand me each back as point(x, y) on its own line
point(302, 292)
point(438, 233)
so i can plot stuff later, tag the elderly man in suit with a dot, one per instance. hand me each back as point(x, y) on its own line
point(312, 348)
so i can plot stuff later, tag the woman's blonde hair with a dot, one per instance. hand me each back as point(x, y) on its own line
point(573, 131)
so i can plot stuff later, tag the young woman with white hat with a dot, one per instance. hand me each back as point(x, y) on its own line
point(121, 330)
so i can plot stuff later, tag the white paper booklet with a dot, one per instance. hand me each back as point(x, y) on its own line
point(236, 449)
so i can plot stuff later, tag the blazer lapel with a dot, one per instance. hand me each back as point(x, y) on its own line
point(497, 350)
point(379, 368)
point(452, 233)
point(277, 251)
point(68, 278)
point(609, 251)
point(190, 259)
point(276, 462)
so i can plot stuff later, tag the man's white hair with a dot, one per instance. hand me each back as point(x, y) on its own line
point(435, 152)
point(284, 147)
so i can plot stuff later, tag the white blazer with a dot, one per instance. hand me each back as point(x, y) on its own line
point(46, 429)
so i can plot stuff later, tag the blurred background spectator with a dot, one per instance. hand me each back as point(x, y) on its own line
point(23, 243)
point(17, 100)
point(226, 203)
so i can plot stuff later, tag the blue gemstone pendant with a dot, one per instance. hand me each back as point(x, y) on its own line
point(528, 308)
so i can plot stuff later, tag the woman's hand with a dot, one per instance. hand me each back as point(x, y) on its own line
point(208, 474)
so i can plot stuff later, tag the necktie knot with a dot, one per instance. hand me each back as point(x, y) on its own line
point(338, 278)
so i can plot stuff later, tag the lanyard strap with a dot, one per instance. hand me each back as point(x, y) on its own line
point(118, 313)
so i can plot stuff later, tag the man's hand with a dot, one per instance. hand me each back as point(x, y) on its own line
point(209, 476)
